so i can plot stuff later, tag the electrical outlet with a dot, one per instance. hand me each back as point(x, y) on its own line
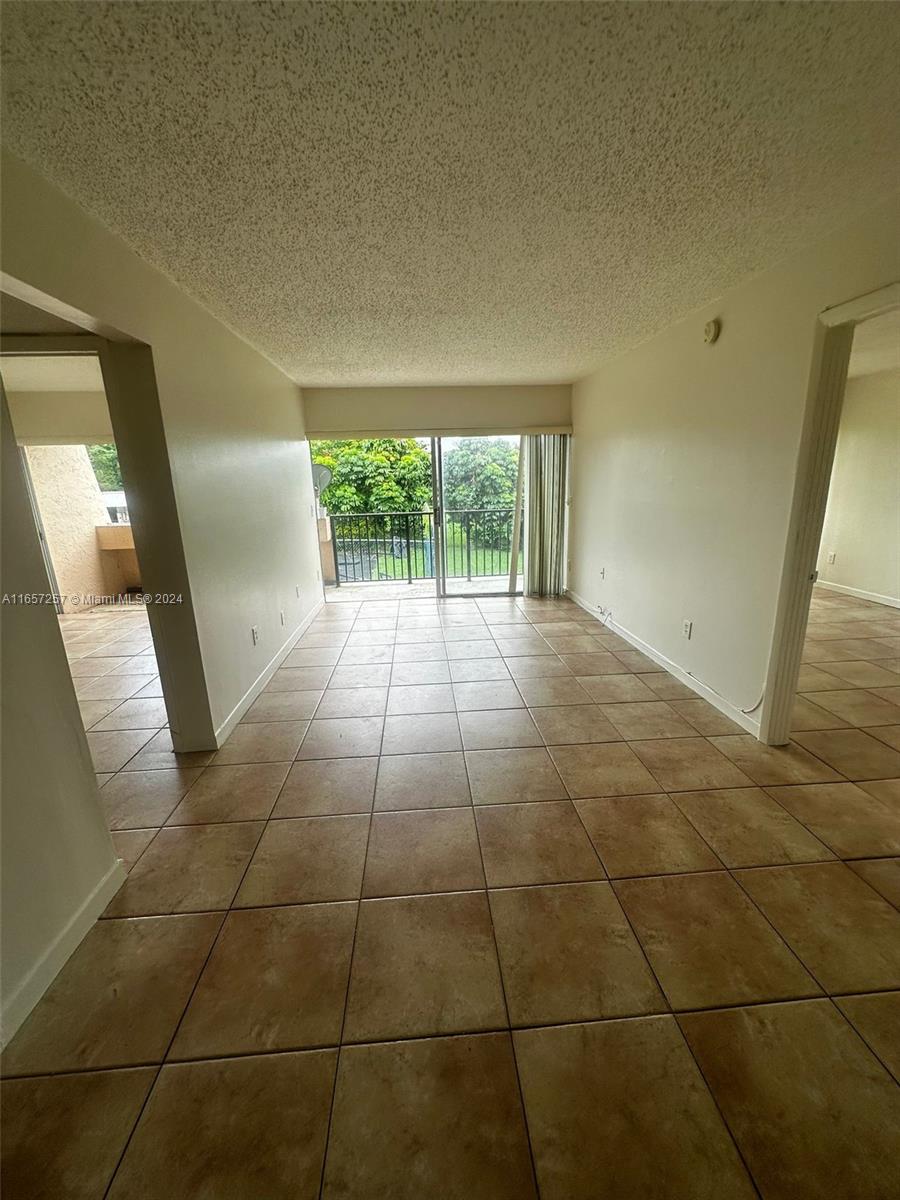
point(254, 633)
point(686, 628)
point(281, 614)
point(831, 556)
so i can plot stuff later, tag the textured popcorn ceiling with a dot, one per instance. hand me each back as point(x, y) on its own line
point(456, 193)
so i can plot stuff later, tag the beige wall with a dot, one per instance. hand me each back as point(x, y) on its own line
point(60, 418)
point(862, 521)
point(684, 458)
point(233, 427)
point(58, 864)
point(405, 411)
point(71, 508)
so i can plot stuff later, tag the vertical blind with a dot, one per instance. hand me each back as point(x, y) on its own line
point(546, 467)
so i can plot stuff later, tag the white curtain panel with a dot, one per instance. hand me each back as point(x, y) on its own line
point(546, 467)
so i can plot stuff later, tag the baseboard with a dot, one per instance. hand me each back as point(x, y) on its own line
point(706, 693)
point(57, 954)
point(224, 730)
point(890, 601)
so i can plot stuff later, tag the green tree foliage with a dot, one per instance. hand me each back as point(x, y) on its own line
point(375, 475)
point(480, 473)
point(105, 462)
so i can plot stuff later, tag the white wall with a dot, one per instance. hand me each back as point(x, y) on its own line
point(59, 867)
point(232, 422)
point(60, 418)
point(862, 521)
point(684, 457)
point(407, 411)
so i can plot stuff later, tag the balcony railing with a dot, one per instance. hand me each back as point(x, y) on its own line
point(400, 546)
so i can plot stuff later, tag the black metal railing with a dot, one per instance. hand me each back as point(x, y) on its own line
point(400, 546)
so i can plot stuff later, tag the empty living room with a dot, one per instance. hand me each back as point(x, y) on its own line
point(461, 759)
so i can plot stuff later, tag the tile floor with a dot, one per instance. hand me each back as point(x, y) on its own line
point(479, 902)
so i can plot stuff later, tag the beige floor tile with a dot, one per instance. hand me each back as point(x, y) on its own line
point(707, 720)
point(425, 733)
point(667, 687)
point(424, 965)
point(312, 656)
point(789, 764)
point(421, 698)
point(839, 927)
point(860, 674)
point(581, 643)
point(685, 764)
point(602, 770)
point(432, 850)
point(474, 670)
point(526, 844)
point(239, 793)
point(242, 1128)
point(567, 953)
point(856, 706)
point(374, 675)
point(876, 1018)
point(854, 753)
point(191, 868)
point(574, 724)
point(264, 741)
point(298, 679)
point(652, 720)
point(708, 944)
point(812, 1111)
point(615, 689)
point(282, 706)
point(498, 729)
point(111, 751)
point(130, 844)
point(507, 776)
point(135, 714)
point(140, 799)
point(889, 734)
point(93, 711)
point(637, 662)
point(408, 674)
point(440, 1117)
point(63, 1134)
point(158, 755)
point(620, 1109)
point(552, 691)
point(307, 860)
point(276, 980)
point(348, 737)
point(599, 662)
point(118, 999)
point(537, 666)
point(887, 790)
point(109, 687)
point(883, 874)
point(352, 702)
point(522, 647)
point(644, 835)
point(747, 828)
point(438, 652)
point(815, 679)
point(422, 781)
point(806, 714)
point(488, 694)
point(328, 786)
point(847, 818)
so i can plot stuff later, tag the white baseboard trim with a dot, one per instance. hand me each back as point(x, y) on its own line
point(57, 954)
point(225, 729)
point(891, 601)
point(706, 693)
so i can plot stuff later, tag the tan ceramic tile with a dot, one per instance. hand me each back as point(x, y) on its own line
point(876, 1018)
point(348, 737)
point(854, 753)
point(488, 694)
point(847, 818)
point(887, 790)
point(109, 687)
point(522, 647)
point(118, 999)
point(192, 868)
point(815, 679)
point(889, 734)
point(424, 965)
point(644, 835)
point(667, 687)
point(328, 786)
point(438, 652)
point(432, 850)
point(602, 770)
point(140, 799)
point(535, 843)
point(574, 724)
point(242, 1128)
point(409, 674)
point(298, 679)
point(135, 714)
point(883, 874)
point(130, 844)
point(352, 702)
point(567, 954)
point(653, 720)
point(637, 662)
point(707, 720)
point(239, 793)
point(158, 754)
point(860, 674)
point(421, 698)
point(812, 1111)
point(683, 764)
point(93, 711)
point(581, 643)
point(506, 776)
point(552, 691)
point(842, 930)
point(440, 1117)
point(499, 729)
point(276, 980)
point(111, 751)
point(708, 944)
point(615, 689)
point(264, 741)
point(282, 706)
point(774, 764)
point(312, 656)
point(374, 675)
point(426, 733)
point(598, 662)
point(310, 859)
point(747, 828)
point(422, 781)
point(475, 670)
point(806, 714)
point(620, 1109)
point(538, 666)
point(856, 706)
point(63, 1134)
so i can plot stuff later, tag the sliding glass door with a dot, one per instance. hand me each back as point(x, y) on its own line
point(478, 515)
